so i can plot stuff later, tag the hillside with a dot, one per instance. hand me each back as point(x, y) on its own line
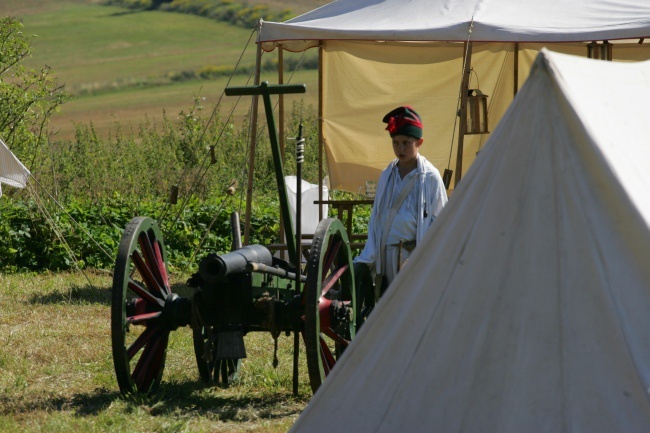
point(27, 7)
point(123, 66)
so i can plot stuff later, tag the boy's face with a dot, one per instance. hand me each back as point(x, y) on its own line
point(406, 148)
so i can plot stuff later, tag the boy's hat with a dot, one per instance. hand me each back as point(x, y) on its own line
point(404, 121)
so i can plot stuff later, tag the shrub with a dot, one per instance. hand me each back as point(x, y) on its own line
point(210, 72)
point(38, 235)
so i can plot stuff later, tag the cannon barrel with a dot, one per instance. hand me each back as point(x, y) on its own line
point(264, 269)
point(214, 268)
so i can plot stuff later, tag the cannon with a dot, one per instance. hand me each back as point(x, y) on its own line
point(245, 290)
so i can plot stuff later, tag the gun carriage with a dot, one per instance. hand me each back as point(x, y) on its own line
point(245, 290)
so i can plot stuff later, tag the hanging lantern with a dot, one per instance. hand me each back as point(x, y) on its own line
point(477, 120)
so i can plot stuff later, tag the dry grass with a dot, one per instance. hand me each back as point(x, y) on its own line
point(56, 371)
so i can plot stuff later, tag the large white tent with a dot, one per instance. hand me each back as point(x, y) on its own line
point(378, 54)
point(449, 20)
point(526, 307)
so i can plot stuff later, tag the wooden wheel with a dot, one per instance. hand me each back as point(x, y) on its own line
point(143, 310)
point(221, 371)
point(330, 300)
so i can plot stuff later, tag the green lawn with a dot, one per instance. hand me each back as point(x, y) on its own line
point(56, 369)
point(92, 47)
point(130, 106)
point(89, 45)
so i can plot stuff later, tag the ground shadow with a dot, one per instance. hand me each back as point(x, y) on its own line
point(75, 295)
point(92, 295)
point(199, 399)
point(83, 404)
point(196, 398)
point(190, 398)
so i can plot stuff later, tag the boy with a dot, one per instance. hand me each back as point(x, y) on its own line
point(410, 195)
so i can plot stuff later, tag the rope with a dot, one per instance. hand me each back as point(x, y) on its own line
point(68, 215)
point(499, 82)
point(57, 232)
point(205, 129)
point(460, 92)
point(205, 165)
point(263, 125)
point(243, 170)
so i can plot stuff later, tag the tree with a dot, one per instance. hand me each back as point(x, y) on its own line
point(28, 97)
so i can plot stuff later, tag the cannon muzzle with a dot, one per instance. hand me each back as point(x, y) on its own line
point(214, 268)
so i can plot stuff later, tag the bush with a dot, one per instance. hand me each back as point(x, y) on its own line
point(210, 72)
point(99, 185)
point(41, 236)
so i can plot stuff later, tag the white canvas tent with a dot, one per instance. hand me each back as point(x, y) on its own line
point(378, 54)
point(526, 307)
point(12, 171)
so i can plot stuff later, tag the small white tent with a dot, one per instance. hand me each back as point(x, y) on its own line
point(526, 308)
point(12, 171)
point(378, 54)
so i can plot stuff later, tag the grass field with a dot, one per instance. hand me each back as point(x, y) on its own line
point(56, 369)
point(92, 47)
point(130, 106)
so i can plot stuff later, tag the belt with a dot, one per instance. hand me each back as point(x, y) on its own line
point(407, 245)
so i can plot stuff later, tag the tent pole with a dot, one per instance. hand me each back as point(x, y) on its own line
point(253, 140)
point(462, 126)
point(320, 129)
point(516, 70)
point(281, 134)
point(281, 137)
point(296, 333)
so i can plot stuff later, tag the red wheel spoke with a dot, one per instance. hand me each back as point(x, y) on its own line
point(150, 259)
point(161, 265)
point(334, 336)
point(333, 278)
point(324, 308)
point(141, 341)
point(149, 363)
point(331, 254)
point(157, 361)
point(139, 319)
point(326, 356)
point(145, 272)
point(144, 294)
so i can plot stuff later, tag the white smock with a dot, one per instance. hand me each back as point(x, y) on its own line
point(419, 209)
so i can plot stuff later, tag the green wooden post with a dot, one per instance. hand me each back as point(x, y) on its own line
point(266, 91)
